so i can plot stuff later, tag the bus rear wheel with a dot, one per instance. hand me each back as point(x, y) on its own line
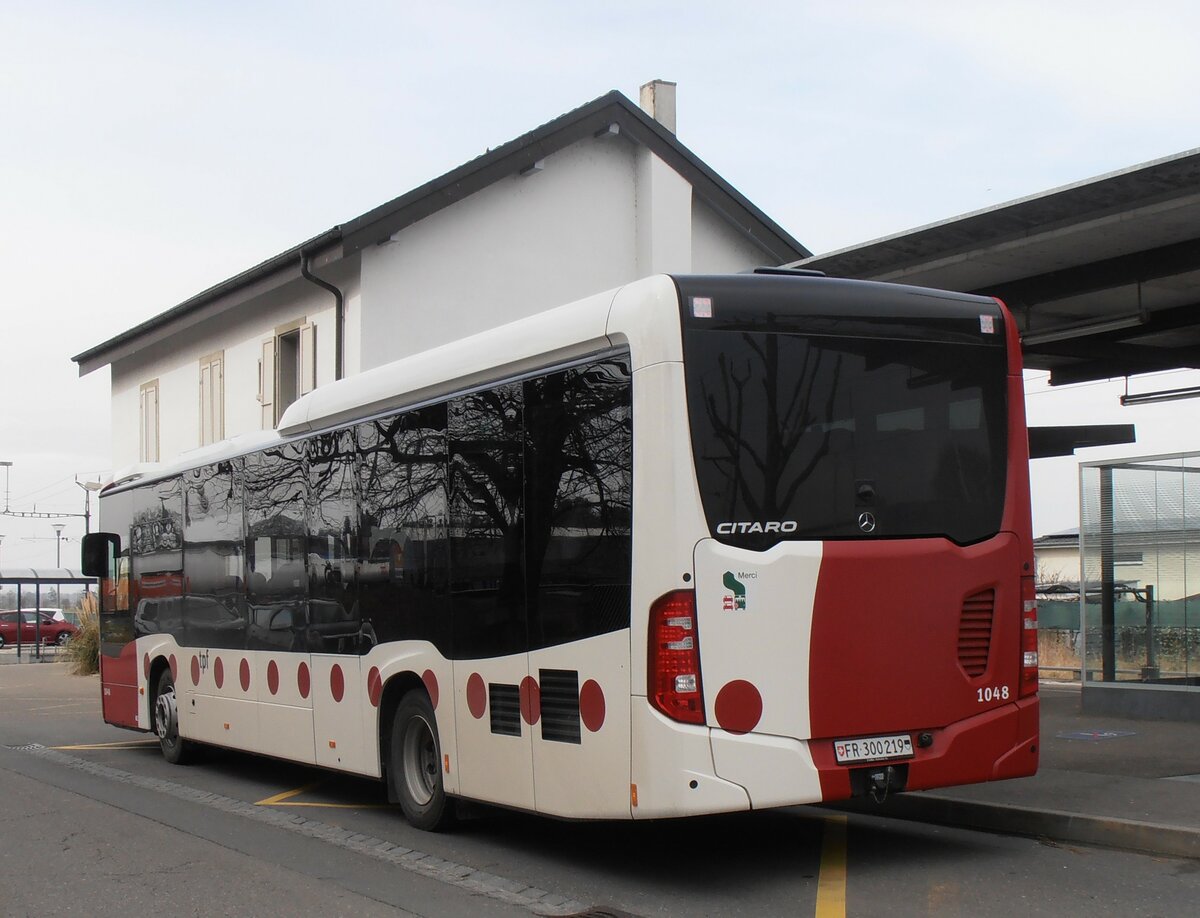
point(175, 748)
point(414, 764)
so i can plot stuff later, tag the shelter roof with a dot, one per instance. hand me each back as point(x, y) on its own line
point(1103, 275)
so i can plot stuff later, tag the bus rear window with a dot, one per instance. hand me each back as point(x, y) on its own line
point(799, 436)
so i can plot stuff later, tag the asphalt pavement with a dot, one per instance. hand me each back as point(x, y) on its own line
point(1115, 782)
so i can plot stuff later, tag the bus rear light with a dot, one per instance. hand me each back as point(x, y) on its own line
point(673, 669)
point(1029, 638)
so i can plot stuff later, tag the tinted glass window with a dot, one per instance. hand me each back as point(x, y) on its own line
point(578, 501)
point(486, 485)
point(797, 436)
point(276, 496)
point(156, 545)
point(402, 540)
point(116, 620)
point(332, 538)
point(213, 613)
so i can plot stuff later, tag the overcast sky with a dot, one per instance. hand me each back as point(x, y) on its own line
point(152, 150)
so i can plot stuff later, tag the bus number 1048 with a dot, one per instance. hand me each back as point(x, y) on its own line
point(993, 693)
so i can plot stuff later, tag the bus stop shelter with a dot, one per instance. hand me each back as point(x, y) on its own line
point(29, 581)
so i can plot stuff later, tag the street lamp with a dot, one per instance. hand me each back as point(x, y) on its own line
point(58, 528)
point(89, 487)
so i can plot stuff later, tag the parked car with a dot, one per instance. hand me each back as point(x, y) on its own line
point(52, 630)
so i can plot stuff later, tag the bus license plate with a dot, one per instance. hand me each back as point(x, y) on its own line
point(873, 748)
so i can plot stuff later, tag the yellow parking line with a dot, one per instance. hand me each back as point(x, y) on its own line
point(339, 806)
point(132, 744)
point(278, 799)
point(285, 799)
point(831, 886)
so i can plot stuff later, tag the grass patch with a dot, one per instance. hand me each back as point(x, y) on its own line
point(82, 652)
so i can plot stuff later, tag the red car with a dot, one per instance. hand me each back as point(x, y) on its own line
point(52, 630)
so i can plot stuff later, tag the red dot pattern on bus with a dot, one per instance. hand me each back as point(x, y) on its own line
point(739, 706)
point(476, 696)
point(174, 668)
point(374, 686)
point(591, 705)
point(146, 665)
point(531, 700)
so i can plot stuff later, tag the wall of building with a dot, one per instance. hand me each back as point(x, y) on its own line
point(520, 246)
point(598, 214)
point(175, 364)
point(718, 248)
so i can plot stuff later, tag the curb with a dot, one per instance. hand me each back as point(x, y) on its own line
point(9, 656)
point(1056, 825)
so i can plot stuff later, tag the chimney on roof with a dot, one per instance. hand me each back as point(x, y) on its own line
point(658, 101)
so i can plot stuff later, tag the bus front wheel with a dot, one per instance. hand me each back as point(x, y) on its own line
point(175, 748)
point(414, 765)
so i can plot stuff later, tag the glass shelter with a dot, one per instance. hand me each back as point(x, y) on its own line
point(1140, 592)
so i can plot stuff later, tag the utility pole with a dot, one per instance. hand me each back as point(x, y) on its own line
point(58, 528)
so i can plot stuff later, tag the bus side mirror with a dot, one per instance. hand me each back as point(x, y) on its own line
point(99, 548)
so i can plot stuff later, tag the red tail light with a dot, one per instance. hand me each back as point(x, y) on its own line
point(1029, 638)
point(674, 665)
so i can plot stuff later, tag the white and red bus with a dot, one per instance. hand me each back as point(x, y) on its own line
point(695, 545)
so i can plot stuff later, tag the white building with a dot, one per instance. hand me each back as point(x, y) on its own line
point(598, 197)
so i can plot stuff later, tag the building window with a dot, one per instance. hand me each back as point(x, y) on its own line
point(148, 404)
point(287, 369)
point(212, 398)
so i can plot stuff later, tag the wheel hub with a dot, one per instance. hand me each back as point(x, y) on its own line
point(166, 723)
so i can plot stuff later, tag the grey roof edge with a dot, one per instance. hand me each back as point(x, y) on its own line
point(381, 222)
point(1176, 173)
point(104, 353)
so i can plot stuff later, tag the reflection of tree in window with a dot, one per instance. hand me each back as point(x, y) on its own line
point(578, 473)
point(215, 607)
point(276, 495)
point(764, 401)
point(486, 489)
point(402, 527)
point(333, 606)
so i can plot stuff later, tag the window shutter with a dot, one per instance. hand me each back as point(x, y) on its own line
point(212, 399)
point(308, 358)
point(218, 396)
point(266, 383)
point(148, 398)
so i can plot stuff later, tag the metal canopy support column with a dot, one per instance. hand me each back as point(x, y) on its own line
point(1108, 631)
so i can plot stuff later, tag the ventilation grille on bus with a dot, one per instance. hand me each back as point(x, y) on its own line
point(504, 701)
point(560, 705)
point(975, 632)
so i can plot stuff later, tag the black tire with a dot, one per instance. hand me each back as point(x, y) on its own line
point(1, 640)
point(165, 717)
point(64, 638)
point(414, 765)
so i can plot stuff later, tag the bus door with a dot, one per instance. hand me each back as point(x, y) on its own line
point(578, 556)
point(110, 557)
point(493, 687)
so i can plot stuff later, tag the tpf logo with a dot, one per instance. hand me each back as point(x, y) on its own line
point(735, 600)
